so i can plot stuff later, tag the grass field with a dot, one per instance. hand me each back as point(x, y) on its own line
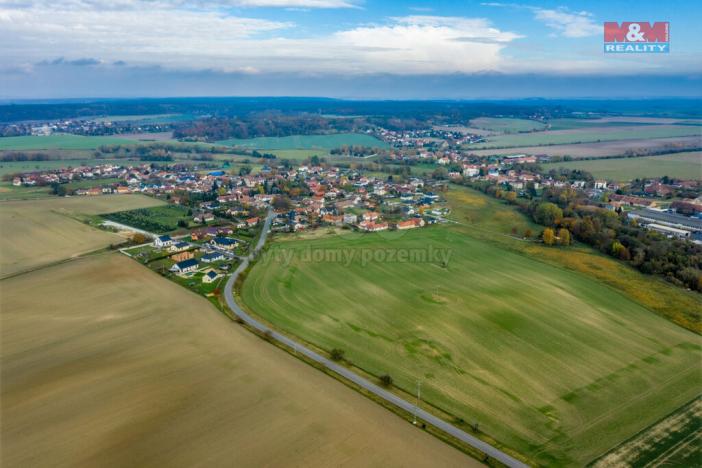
point(105, 363)
point(589, 135)
point(673, 441)
point(40, 232)
point(605, 148)
point(679, 165)
point(157, 219)
point(547, 360)
point(506, 125)
point(306, 142)
point(60, 141)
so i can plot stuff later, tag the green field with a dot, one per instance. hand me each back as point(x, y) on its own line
point(60, 141)
point(568, 124)
point(306, 142)
point(686, 165)
point(158, 219)
point(505, 125)
point(589, 135)
point(547, 360)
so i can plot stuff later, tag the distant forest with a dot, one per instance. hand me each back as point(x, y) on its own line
point(447, 110)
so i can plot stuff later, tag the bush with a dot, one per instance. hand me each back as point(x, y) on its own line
point(386, 380)
point(337, 354)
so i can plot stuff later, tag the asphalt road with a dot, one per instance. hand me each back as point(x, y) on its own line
point(428, 418)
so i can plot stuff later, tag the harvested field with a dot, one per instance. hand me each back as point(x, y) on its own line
point(40, 232)
point(607, 148)
point(589, 135)
point(105, 363)
point(678, 165)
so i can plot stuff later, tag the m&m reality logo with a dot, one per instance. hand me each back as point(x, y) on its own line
point(636, 37)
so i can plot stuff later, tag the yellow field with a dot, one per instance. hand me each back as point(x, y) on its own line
point(40, 232)
point(105, 363)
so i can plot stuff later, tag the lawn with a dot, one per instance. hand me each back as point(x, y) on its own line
point(306, 142)
point(158, 219)
point(679, 165)
point(506, 125)
point(60, 141)
point(589, 135)
point(548, 360)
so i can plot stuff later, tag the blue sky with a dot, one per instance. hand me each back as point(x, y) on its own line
point(342, 48)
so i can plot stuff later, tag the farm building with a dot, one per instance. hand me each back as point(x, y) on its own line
point(186, 266)
point(410, 224)
point(163, 241)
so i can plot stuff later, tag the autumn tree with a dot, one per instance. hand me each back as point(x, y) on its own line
point(563, 236)
point(548, 236)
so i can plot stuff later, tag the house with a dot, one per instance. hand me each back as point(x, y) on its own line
point(212, 257)
point(180, 256)
point(163, 241)
point(331, 219)
point(186, 266)
point(210, 276)
point(224, 243)
point(178, 246)
point(370, 216)
point(410, 224)
point(252, 221)
point(123, 190)
point(350, 218)
point(370, 226)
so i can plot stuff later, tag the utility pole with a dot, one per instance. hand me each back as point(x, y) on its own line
point(419, 395)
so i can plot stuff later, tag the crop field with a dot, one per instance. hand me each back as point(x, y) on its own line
point(673, 441)
point(157, 219)
point(15, 167)
point(546, 359)
point(306, 142)
point(589, 135)
point(106, 363)
point(40, 232)
point(506, 125)
point(66, 142)
point(679, 165)
point(604, 148)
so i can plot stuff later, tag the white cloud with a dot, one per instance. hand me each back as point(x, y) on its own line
point(569, 24)
point(566, 22)
point(191, 39)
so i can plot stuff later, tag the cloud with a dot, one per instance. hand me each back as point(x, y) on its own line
point(191, 39)
point(569, 24)
point(566, 22)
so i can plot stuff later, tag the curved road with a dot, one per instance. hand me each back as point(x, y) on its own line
point(346, 373)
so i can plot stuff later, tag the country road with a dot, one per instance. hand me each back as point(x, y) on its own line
point(348, 374)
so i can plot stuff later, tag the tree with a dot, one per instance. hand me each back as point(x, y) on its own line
point(337, 354)
point(386, 380)
point(548, 236)
point(563, 236)
point(139, 238)
point(281, 203)
point(182, 223)
point(511, 197)
point(547, 214)
point(528, 233)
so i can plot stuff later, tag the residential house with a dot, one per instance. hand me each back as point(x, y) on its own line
point(178, 246)
point(163, 241)
point(410, 224)
point(212, 257)
point(224, 243)
point(210, 276)
point(180, 256)
point(186, 266)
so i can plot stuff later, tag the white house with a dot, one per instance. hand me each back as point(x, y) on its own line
point(163, 241)
point(186, 266)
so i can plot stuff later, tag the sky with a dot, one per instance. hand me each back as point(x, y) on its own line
point(339, 48)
